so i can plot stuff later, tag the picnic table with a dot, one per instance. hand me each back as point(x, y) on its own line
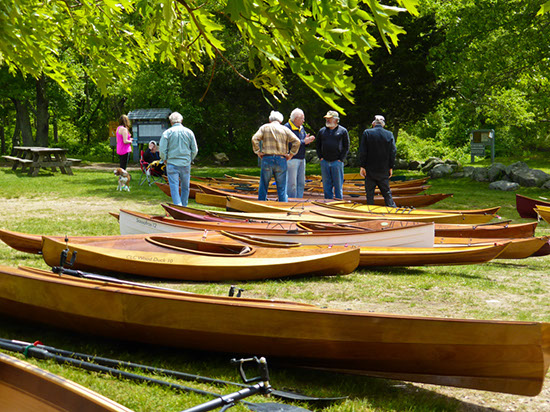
point(41, 157)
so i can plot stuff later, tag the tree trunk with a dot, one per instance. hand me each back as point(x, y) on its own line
point(55, 130)
point(395, 131)
point(15, 137)
point(42, 114)
point(2, 137)
point(23, 120)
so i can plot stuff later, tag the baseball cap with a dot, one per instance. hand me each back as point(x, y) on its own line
point(332, 114)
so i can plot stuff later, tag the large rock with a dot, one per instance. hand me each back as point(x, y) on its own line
point(530, 177)
point(516, 167)
point(221, 158)
point(311, 156)
point(468, 171)
point(414, 165)
point(503, 185)
point(480, 174)
point(401, 164)
point(546, 185)
point(496, 172)
point(440, 170)
point(431, 163)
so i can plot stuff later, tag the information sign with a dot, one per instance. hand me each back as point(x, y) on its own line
point(479, 140)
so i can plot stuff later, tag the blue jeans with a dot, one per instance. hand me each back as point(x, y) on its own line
point(333, 178)
point(273, 166)
point(295, 178)
point(178, 177)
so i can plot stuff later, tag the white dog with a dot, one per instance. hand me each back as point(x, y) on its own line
point(123, 179)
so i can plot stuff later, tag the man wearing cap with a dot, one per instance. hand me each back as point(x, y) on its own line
point(275, 140)
point(377, 158)
point(332, 149)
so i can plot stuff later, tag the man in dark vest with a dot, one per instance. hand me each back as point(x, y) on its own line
point(377, 158)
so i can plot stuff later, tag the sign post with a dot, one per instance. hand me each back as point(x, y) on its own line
point(479, 139)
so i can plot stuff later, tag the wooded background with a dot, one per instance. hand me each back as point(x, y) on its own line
point(436, 69)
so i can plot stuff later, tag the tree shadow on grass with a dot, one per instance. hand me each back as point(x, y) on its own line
point(413, 271)
point(372, 393)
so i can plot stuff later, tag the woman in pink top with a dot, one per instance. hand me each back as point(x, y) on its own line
point(123, 141)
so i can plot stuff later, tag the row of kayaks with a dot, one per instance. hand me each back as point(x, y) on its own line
point(501, 356)
point(193, 244)
point(237, 250)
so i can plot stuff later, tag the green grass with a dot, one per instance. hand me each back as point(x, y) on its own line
point(56, 204)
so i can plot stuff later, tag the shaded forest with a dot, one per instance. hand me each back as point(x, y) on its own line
point(458, 66)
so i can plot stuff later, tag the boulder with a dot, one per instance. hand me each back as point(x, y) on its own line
point(401, 164)
point(440, 170)
point(496, 172)
point(311, 156)
point(431, 163)
point(468, 171)
point(220, 158)
point(530, 177)
point(414, 165)
point(514, 167)
point(503, 185)
point(480, 174)
point(546, 185)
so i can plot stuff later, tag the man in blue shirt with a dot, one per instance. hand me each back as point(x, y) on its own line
point(296, 167)
point(377, 157)
point(178, 148)
point(332, 149)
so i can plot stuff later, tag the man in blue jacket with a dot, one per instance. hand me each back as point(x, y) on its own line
point(377, 158)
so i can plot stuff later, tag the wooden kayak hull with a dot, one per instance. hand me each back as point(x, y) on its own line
point(27, 388)
point(496, 230)
point(387, 210)
point(543, 212)
point(401, 234)
point(525, 206)
point(23, 242)
point(452, 218)
point(465, 255)
point(501, 356)
point(136, 255)
point(519, 248)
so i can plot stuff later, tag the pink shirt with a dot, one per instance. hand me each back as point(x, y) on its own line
point(121, 147)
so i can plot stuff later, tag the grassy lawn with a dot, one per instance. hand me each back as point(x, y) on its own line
point(57, 204)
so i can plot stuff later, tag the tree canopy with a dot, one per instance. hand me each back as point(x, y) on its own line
point(113, 38)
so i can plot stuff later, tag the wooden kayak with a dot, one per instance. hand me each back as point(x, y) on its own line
point(330, 216)
point(519, 248)
point(380, 233)
point(23, 242)
point(198, 257)
point(500, 356)
point(453, 218)
point(27, 388)
point(543, 212)
point(487, 230)
point(239, 204)
point(430, 256)
point(503, 229)
point(384, 209)
point(525, 206)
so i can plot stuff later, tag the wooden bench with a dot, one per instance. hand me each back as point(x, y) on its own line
point(74, 161)
point(16, 159)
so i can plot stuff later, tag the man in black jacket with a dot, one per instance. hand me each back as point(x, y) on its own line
point(377, 158)
point(332, 149)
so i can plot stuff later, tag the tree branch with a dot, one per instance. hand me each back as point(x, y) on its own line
point(218, 52)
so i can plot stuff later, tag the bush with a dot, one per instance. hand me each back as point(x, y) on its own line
point(411, 147)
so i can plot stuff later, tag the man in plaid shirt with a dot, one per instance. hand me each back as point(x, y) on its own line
point(275, 140)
